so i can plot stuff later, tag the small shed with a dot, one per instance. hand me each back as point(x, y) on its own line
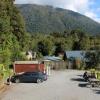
point(55, 62)
point(28, 66)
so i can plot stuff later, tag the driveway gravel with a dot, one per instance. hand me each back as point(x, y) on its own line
point(61, 85)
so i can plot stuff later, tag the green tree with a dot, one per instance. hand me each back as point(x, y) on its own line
point(45, 47)
point(84, 43)
point(13, 37)
point(92, 59)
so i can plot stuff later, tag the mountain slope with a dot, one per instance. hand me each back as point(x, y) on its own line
point(46, 19)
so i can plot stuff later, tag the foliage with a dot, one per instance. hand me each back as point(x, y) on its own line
point(65, 32)
point(13, 37)
point(46, 19)
point(92, 59)
point(58, 43)
point(2, 69)
point(45, 47)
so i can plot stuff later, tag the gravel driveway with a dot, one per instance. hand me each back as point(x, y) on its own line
point(61, 85)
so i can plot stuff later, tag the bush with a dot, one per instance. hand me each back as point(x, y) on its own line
point(1, 77)
point(98, 75)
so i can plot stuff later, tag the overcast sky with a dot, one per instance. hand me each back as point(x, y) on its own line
point(89, 8)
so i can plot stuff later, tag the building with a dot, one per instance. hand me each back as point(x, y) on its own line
point(75, 58)
point(28, 66)
point(55, 62)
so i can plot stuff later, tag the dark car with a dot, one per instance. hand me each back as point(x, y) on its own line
point(29, 77)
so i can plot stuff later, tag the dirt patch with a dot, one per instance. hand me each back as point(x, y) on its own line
point(2, 88)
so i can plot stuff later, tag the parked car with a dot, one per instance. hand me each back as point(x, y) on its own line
point(29, 77)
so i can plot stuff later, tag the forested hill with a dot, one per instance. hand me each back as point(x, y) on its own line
point(46, 19)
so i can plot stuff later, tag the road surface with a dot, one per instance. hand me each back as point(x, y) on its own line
point(61, 85)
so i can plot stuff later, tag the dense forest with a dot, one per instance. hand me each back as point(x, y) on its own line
point(14, 39)
point(47, 19)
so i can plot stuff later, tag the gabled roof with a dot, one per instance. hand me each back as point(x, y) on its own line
point(76, 54)
point(52, 58)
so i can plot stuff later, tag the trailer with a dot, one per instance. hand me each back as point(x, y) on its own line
point(28, 66)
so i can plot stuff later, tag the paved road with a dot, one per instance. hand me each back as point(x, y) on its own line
point(61, 85)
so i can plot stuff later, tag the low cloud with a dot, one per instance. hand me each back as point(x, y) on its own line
point(75, 5)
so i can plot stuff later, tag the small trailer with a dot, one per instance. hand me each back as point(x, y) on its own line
point(28, 66)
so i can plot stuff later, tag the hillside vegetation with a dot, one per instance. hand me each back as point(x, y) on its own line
point(15, 41)
point(13, 36)
point(46, 19)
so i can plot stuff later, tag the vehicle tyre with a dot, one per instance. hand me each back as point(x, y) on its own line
point(17, 81)
point(38, 80)
point(45, 78)
point(8, 80)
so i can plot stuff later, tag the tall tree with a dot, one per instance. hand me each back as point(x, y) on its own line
point(92, 59)
point(13, 37)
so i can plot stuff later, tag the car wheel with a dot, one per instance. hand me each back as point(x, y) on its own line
point(39, 81)
point(17, 81)
point(45, 78)
point(8, 80)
